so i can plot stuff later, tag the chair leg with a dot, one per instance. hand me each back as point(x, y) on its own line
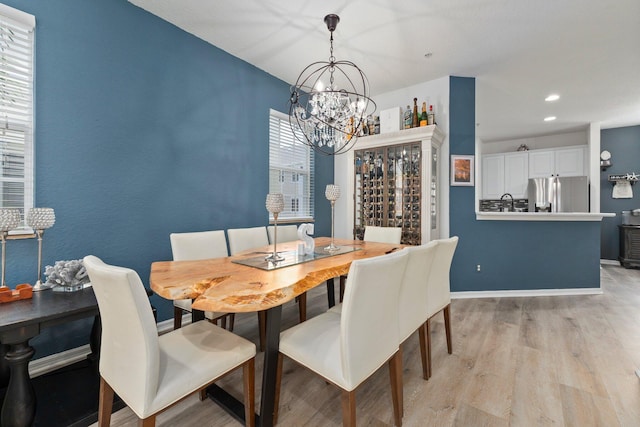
point(105, 403)
point(348, 408)
point(343, 282)
point(423, 352)
point(276, 403)
point(302, 307)
point(262, 328)
point(202, 394)
point(395, 376)
point(447, 326)
point(177, 317)
point(223, 322)
point(427, 327)
point(232, 320)
point(249, 377)
point(150, 421)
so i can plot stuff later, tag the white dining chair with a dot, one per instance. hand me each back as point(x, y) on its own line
point(392, 235)
point(413, 300)
point(286, 233)
point(439, 292)
point(195, 246)
point(347, 348)
point(242, 239)
point(149, 372)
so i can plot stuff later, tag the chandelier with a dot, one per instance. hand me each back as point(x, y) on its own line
point(329, 116)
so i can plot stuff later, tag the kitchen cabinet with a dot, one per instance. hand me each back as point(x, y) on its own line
point(505, 173)
point(568, 161)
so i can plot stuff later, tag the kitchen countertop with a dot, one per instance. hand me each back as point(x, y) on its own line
point(542, 216)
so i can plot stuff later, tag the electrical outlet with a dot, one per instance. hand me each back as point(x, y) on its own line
point(478, 269)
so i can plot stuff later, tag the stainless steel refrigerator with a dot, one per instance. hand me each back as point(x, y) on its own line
point(559, 194)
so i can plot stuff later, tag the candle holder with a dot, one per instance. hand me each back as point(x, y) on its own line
point(40, 219)
point(9, 219)
point(332, 193)
point(275, 205)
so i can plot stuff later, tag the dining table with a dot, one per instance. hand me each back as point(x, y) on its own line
point(247, 282)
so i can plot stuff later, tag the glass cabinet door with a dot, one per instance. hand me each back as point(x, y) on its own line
point(388, 190)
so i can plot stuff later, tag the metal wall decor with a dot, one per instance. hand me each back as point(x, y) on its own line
point(330, 102)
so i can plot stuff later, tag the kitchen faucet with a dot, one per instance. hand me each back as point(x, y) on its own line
point(502, 202)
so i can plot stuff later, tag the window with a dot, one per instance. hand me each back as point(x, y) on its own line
point(290, 169)
point(16, 108)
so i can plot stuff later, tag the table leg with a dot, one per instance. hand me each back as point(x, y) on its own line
point(4, 366)
point(331, 293)
point(19, 407)
point(272, 346)
point(196, 315)
point(233, 406)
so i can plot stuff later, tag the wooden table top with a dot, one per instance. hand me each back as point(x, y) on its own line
point(221, 285)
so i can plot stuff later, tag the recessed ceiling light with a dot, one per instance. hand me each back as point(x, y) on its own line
point(552, 97)
point(549, 119)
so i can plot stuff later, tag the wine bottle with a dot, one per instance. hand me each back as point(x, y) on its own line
point(415, 119)
point(423, 116)
point(431, 117)
point(407, 118)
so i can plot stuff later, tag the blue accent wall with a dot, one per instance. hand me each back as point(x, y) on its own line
point(513, 255)
point(142, 130)
point(624, 146)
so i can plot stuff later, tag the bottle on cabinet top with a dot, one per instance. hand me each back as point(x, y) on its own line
point(415, 120)
point(431, 116)
point(423, 116)
point(407, 118)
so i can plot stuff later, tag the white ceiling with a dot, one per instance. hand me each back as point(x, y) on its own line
point(519, 51)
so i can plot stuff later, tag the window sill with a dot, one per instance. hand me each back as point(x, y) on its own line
point(285, 221)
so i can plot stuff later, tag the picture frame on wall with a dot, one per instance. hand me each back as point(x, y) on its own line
point(462, 170)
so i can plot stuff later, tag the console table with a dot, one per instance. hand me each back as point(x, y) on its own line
point(23, 320)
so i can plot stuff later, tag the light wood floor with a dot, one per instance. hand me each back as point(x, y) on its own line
point(562, 361)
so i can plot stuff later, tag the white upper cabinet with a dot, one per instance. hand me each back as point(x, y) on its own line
point(505, 173)
point(542, 163)
point(492, 176)
point(569, 161)
point(516, 174)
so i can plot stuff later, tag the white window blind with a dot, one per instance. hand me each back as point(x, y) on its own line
point(290, 169)
point(16, 108)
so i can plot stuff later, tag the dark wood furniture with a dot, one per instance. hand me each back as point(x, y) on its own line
point(222, 285)
point(23, 320)
point(629, 246)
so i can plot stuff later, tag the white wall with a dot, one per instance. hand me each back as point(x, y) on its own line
point(537, 142)
point(434, 92)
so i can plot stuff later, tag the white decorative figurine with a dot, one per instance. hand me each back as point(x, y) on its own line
point(304, 233)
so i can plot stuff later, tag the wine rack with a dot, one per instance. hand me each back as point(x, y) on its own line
point(388, 190)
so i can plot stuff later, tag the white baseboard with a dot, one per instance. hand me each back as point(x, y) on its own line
point(526, 293)
point(609, 262)
point(55, 361)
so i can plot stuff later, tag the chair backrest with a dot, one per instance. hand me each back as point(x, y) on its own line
point(129, 353)
point(286, 233)
point(382, 234)
point(439, 288)
point(241, 239)
point(369, 318)
point(198, 245)
point(414, 288)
